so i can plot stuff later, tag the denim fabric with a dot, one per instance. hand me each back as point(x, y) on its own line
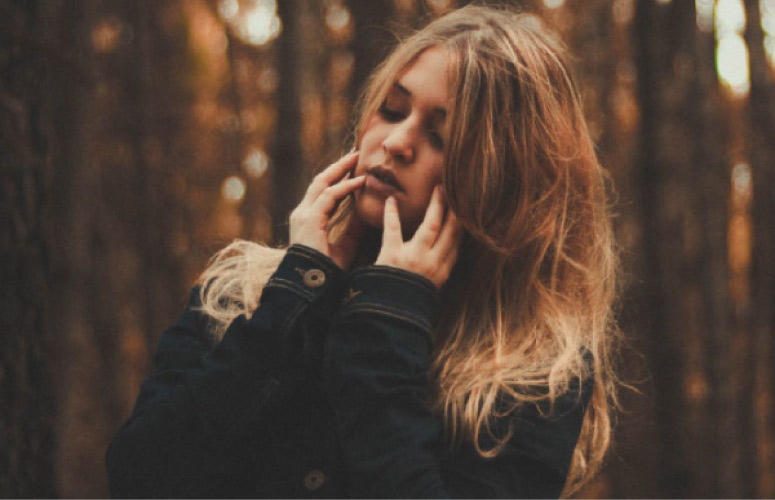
point(321, 393)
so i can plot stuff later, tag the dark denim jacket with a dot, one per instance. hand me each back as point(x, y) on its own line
point(321, 393)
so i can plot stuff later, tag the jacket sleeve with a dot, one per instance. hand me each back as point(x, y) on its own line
point(188, 433)
point(376, 369)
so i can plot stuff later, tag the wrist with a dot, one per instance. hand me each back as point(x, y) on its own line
point(310, 275)
point(393, 293)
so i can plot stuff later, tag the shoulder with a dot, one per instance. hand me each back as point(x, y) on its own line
point(535, 459)
point(188, 338)
point(547, 431)
point(232, 283)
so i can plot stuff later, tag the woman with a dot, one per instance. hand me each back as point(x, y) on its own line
point(441, 323)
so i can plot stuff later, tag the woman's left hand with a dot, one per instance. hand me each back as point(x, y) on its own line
point(432, 251)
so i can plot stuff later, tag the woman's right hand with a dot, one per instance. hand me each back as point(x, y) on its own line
point(308, 220)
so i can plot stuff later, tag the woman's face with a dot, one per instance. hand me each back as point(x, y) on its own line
point(401, 149)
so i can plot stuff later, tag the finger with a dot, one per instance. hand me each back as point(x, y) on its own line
point(450, 237)
point(448, 259)
point(429, 229)
point(329, 197)
point(339, 168)
point(391, 227)
point(330, 175)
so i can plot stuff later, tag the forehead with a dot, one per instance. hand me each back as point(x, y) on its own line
point(427, 77)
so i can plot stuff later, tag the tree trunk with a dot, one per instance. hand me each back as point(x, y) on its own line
point(372, 40)
point(26, 389)
point(288, 157)
point(600, 43)
point(682, 177)
point(761, 113)
point(121, 139)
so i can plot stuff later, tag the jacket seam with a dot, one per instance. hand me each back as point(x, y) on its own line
point(383, 310)
point(414, 279)
point(309, 253)
point(265, 394)
point(291, 318)
point(290, 285)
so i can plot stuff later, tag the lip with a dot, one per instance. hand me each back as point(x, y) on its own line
point(382, 179)
point(375, 185)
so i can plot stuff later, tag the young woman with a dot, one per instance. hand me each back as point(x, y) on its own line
point(441, 322)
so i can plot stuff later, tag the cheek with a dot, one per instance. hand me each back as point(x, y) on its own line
point(371, 137)
point(414, 210)
point(367, 147)
point(424, 186)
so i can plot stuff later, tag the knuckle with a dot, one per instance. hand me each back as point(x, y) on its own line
point(317, 182)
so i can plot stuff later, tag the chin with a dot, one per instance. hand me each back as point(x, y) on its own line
point(370, 209)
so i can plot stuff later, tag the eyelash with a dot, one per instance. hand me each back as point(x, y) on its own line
point(390, 115)
point(393, 116)
point(436, 140)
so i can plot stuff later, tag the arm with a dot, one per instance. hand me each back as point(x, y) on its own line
point(190, 430)
point(376, 368)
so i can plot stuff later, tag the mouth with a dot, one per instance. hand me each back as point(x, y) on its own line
point(385, 176)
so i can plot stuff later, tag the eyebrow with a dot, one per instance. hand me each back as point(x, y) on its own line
point(438, 110)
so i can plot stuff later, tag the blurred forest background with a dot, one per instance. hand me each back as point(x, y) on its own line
point(136, 138)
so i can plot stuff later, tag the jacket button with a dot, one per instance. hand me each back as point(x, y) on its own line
point(314, 278)
point(314, 479)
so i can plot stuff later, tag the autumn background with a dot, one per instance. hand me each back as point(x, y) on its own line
point(136, 138)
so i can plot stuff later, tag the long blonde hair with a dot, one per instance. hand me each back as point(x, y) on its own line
point(532, 294)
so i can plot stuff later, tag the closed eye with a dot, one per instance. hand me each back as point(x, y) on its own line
point(395, 116)
point(391, 115)
point(436, 140)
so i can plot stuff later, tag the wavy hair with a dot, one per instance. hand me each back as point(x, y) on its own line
point(530, 300)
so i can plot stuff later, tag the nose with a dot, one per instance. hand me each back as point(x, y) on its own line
point(399, 142)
